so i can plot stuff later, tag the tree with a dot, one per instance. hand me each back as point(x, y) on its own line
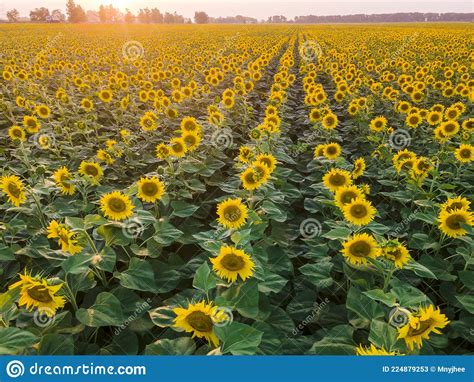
point(201, 18)
point(70, 7)
point(129, 17)
point(39, 14)
point(102, 14)
point(57, 16)
point(156, 16)
point(79, 15)
point(168, 18)
point(13, 16)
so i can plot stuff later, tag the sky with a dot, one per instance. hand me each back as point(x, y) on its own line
point(260, 9)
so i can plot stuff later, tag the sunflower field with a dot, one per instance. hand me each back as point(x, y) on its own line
point(236, 190)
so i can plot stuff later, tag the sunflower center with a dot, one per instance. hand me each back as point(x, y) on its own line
point(14, 190)
point(360, 249)
point(424, 326)
point(449, 127)
point(465, 153)
point(232, 213)
point(331, 150)
point(337, 180)
point(359, 211)
point(177, 147)
point(232, 262)
point(17, 133)
point(454, 221)
point(117, 205)
point(39, 293)
point(200, 321)
point(348, 196)
point(149, 188)
point(92, 171)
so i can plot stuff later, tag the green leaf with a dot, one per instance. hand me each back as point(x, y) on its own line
point(420, 270)
point(56, 344)
point(15, 341)
point(178, 346)
point(238, 338)
point(6, 253)
point(106, 311)
point(382, 335)
point(166, 233)
point(319, 274)
point(273, 211)
point(340, 233)
point(467, 301)
point(388, 299)
point(77, 264)
point(362, 305)
point(183, 209)
point(138, 276)
point(204, 279)
point(467, 278)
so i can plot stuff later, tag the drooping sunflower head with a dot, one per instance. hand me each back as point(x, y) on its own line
point(336, 178)
point(232, 263)
point(396, 252)
point(199, 319)
point(37, 293)
point(268, 160)
point(344, 195)
point(150, 189)
point(372, 350)
point(232, 213)
point(420, 325)
point(64, 180)
point(178, 147)
point(116, 205)
point(91, 171)
point(451, 222)
point(332, 150)
point(456, 203)
point(464, 153)
point(359, 168)
point(245, 154)
point(359, 211)
point(359, 248)
point(13, 187)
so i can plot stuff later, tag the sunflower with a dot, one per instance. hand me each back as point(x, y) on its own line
point(64, 180)
point(232, 213)
point(67, 240)
point(14, 188)
point(92, 171)
point(332, 150)
point(373, 350)
point(199, 319)
point(422, 165)
point(148, 122)
point(336, 178)
point(359, 168)
point(87, 104)
point(150, 189)
point(346, 194)
point(232, 263)
point(116, 206)
point(420, 325)
point(464, 153)
point(319, 151)
point(17, 133)
point(359, 211)
point(402, 155)
point(31, 124)
point(162, 151)
point(255, 176)
point(178, 147)
point(468, 124)
point(315, 115)
point(452, 113)
point(105, 95)
point(449, 128)
point(358, 248)
point(192, 140)
point(413, 120)
point(396, 252)
point(434, 118)
point(245, 154)
point(455, 203)
point(103, 155)
point(450, 222)
point(330, 121)
point(378, 124)
point(405, 165)
point(43, 111)
point(268, 160)
point(37, 293)
point(190, 125)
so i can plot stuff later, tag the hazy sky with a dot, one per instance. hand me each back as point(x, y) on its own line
point(258, 8)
